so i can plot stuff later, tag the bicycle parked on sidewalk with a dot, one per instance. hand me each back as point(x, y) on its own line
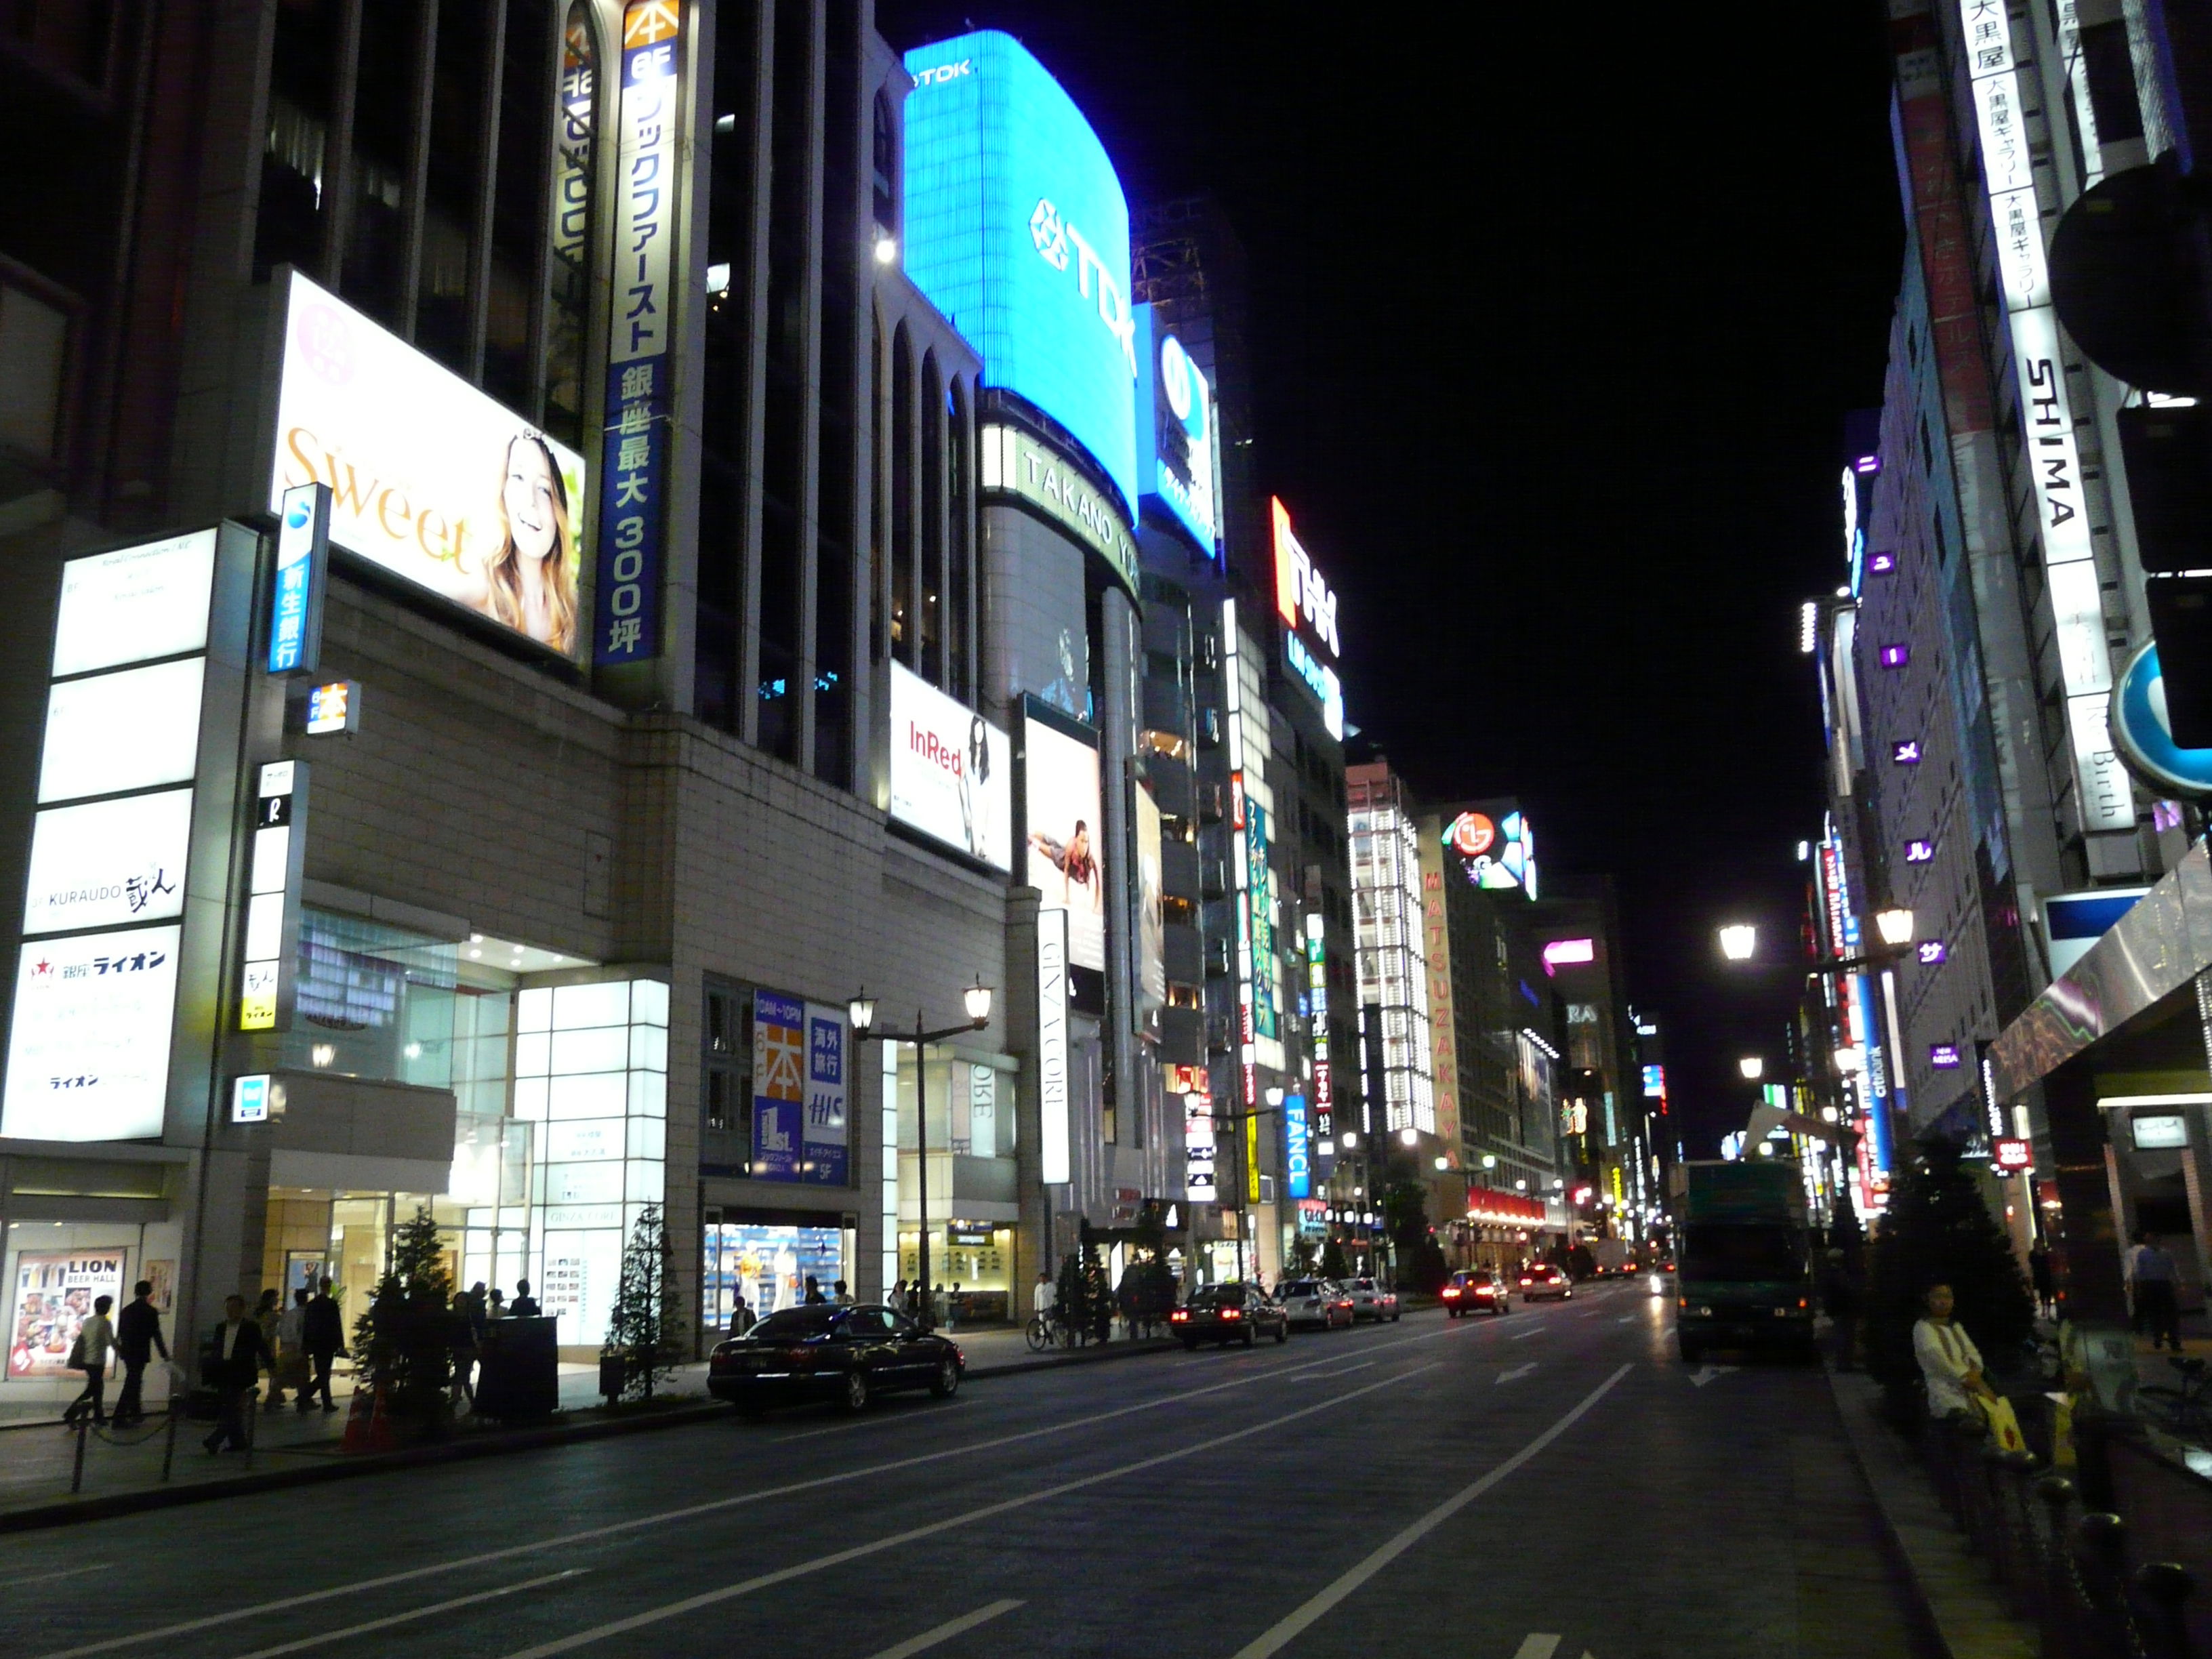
point(2186, 1411)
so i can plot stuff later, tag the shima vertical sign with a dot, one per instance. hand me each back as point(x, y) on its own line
point(635, 453)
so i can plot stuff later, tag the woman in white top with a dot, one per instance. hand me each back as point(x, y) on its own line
point(1948, 1358)
point(96, 1336)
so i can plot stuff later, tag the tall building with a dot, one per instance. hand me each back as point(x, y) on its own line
point(730, 588)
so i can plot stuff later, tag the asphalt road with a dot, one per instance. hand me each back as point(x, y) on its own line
point(1544, 1485)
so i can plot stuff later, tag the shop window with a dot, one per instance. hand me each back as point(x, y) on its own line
point(374, 1001)
point(769, 1263)
point(591, 1072)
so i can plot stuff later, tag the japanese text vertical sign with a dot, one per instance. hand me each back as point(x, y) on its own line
point(296, 599)
point(779, 1086)
point(827, 1145)
point(634, 472)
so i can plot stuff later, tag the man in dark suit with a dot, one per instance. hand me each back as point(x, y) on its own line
point(138, 1340)
point(323, 1338)
point(236, 1355)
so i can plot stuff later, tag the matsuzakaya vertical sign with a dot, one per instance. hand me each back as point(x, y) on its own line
point(634, 471)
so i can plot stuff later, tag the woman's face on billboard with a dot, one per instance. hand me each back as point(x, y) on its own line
point(528, 496)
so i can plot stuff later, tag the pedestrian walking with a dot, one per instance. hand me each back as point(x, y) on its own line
point(137, 1339)
point(839, 1295)
point(952, 1307)
point(2038, 1274)
point(741, 1317)
point(479, 1313)
point(236, 1355)
point(897, 1300)
point(323, 1336)
point(814, 1298)
point(494, 1304)
point(266, 1312)
point(938, 1308)
point(461, 1333)
point(292, 1344)
point(95, 1341)
point(2151, 1267)
point(526, 1305)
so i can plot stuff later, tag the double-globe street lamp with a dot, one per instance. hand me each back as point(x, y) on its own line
point(862, 1012)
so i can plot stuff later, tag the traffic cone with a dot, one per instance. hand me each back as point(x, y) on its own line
point(369, 1426)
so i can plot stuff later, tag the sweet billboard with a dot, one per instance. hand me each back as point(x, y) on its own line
point(429, 478)
point(1017, 231)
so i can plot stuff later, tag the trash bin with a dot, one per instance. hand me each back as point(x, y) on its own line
point(519, 1369)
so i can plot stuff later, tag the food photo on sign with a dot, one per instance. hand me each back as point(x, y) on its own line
point(54, 1294)
point(429, 478)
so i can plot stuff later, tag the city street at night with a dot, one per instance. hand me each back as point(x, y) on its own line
point(1467, 1486)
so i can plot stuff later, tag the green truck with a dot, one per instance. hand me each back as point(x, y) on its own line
point(1744, 1266)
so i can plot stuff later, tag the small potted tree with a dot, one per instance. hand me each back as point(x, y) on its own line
point(644, 1330)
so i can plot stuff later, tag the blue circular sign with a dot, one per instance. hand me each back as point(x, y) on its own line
point(2144, 740)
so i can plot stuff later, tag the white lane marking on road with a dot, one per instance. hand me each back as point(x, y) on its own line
point(1706, 1374)
point(411, 1614)
point(1537, 1645)
point(614, 1528)
point(1323, 1376)
point(66, 1572)
point(1624, 1319)
point(1516, 1373)
point(1523, 1336)
point(947, 1631)
point(912, 1534)
point(1278, 1635)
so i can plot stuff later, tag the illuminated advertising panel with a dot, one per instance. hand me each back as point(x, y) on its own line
point(640, 407)
point(1198, 1179)
point(951, 771)
point(134, 604)
point(133, 729)
point(1152, 923)
point(1017, 231)
point(1497, 849)
point(1017, 464)
point(1304, 597)
point(1182, 445)
point(1056, 1133)
point(429, 478)
point(1297, 1148)
point(2004, 103)
point(88, 1046)
point(108, 863)
point(55, 1291)
point(1063, 835)
point(799, 1117)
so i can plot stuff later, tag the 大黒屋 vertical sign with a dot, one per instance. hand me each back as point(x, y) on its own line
point(634, 472)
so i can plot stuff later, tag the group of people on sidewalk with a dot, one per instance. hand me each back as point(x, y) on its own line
point(134, 1337)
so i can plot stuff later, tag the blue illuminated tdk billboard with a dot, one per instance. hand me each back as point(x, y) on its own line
point(1017, 231)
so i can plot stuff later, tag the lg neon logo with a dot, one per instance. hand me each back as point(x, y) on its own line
point(1053, 236)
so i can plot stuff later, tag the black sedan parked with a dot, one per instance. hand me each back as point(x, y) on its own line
point(846, 1354)
point(1229, 1313)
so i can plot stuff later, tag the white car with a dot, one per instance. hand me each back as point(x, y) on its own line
point(1319, 1302)
point(1372, 1300)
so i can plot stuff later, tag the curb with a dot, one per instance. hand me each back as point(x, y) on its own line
point(1949, 1634)
point(69, 1511)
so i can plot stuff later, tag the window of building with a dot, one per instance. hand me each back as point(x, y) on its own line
point(726, 1059)
point(568, 314)
point(522, 205)
point(384, 131)
point(461, 65)
point(289, 218)
point(34, 338)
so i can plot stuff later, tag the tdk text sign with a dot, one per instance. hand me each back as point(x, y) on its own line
point(1017, 231)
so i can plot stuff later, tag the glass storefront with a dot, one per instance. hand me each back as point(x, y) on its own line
point(972, 1259)
point(768, 1263)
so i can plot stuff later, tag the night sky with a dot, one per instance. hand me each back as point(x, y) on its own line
point(1557, 322)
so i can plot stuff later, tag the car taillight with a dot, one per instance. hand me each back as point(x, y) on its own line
point(1524, 1281)
point(1231, 1313)
point(1484, 1290)
point(1178, 1317)
point(1451, 1292)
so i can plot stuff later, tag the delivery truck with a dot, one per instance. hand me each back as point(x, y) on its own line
point(1744, 1277)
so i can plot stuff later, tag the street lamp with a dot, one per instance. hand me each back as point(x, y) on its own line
point(1738, 941)
point(1895, 925)
point(861, 1010)
point(1752, 1067)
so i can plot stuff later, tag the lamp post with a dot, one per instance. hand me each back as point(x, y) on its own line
point(862, 1012)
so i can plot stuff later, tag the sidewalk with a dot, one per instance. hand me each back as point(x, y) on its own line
point(123, 1468)
point(1966, 1609)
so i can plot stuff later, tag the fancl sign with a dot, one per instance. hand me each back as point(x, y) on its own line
point(1298, 1147)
